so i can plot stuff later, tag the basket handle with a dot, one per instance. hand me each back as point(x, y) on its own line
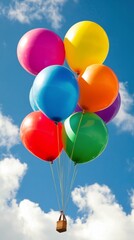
point(62, 215)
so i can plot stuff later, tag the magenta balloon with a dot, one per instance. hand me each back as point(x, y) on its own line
point(109, 113)
point(40, 48)
point(78, 109)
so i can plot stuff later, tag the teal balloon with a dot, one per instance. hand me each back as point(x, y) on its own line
point(85, 136)
point(32, 102)
point(56, 92)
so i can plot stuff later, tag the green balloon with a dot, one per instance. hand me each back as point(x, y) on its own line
point(85, 136)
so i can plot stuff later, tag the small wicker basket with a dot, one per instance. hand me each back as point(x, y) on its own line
point(61, 223)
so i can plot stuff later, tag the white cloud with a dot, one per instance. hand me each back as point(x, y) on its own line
point(132, 200)
point(9, 132)
point(26, 11)
point(102, 216)
point(105, 218)
point(130, 164)
point(11, 171)
point(124, 119)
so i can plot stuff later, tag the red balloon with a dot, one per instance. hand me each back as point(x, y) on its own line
point(41, 136)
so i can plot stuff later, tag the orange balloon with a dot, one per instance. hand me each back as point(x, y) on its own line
point(98, 87)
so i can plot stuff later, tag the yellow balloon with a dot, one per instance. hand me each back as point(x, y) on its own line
point(85, 43)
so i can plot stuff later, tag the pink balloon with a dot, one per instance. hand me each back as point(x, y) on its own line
point(108, 113)
point(40, 48)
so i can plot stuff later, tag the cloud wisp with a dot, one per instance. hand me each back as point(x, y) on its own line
point(9, 132)
point(101, 215)
point(125, 119)
point(26, 11)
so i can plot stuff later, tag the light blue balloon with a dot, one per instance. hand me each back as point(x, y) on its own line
point(32, 102)
point(55, 92)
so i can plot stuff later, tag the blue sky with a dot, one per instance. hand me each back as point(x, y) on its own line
point(103, 194)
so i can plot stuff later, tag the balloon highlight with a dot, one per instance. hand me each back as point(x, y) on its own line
point(41, 136)
point(86, 43)
point(56, 92)
point(85, 136)
point(98, 88)
point(39, 48)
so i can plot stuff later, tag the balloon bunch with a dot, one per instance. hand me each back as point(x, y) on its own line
point(71, 107)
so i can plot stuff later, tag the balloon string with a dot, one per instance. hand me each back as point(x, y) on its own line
point(77, 134)
point(68, 175)
point(60, 166)
point(71, 185)
point(74, 172)
point(56, 191)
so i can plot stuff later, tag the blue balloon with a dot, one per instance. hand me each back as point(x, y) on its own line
point(32, 102)
point(55, 92)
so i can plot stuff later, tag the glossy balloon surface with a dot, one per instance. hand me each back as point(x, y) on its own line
point(85, 136)
point(39, 48)
point(56, 92)
point(41, 136)
point(85, 43)
point(99, 88)
point(109, 113)
point(32, 102)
